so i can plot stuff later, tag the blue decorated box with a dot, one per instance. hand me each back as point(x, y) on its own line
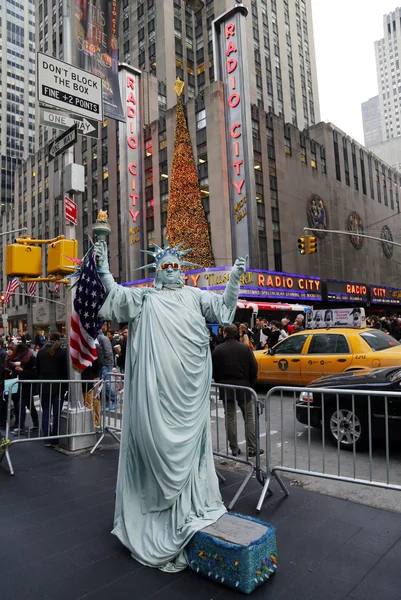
point(237, 551)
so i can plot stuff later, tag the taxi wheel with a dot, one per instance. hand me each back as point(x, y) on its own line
point(347, 425)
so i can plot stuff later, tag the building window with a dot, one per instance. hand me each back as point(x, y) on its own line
point(336, 156)
point(363, 175)
point(201, 120)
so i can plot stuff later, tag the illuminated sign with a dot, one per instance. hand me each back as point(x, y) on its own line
point(131, 168)
point(346, 291)
point(385, 295)
point(255, 284)
point(231, 68)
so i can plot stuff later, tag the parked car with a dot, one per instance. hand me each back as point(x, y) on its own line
point(308, 355)
point(346, 416)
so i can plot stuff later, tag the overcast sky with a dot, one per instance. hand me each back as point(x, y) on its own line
point(345, 32)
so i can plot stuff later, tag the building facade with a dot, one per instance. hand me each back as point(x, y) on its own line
point(315, 176)
point(280, 51)
point(372, 125)
point(17, 90)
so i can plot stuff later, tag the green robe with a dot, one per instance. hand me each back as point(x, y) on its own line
point(167, 487)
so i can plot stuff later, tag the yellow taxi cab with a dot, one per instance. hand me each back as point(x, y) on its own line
point(308, 355)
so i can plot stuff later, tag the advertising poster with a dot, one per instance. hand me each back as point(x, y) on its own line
point(95, 47)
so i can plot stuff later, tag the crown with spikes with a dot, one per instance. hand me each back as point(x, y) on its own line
point(160, 253)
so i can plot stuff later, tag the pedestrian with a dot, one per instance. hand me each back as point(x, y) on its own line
point(52, 364)
point(220, 337)
point(272, 334)
point(120, 348)
point(243, 335)
point(3, 399)
point(235, 364)
point(106, 359)
point(287, 327)
point(91, 392)
point(298, 326)
point(40, 339)
point(395, 327)
point(25, 368)
point(26, 339)
point(212, 339)
point(256, 334)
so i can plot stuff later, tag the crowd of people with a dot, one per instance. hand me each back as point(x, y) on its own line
point(46, 360)
point(265, 334)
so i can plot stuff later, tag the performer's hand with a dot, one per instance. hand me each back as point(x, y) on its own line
point(100, 250)
point(239, 266)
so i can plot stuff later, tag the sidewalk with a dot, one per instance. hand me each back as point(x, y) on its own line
point(55, 543)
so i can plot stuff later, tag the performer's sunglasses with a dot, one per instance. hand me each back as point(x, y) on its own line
point(165, 266)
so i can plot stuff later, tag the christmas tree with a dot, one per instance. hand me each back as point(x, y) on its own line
point(186, 219)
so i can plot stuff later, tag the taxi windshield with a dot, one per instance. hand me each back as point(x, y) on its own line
point(378, 340)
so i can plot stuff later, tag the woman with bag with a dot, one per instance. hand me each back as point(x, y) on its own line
point(23, 364)
point(243, 335)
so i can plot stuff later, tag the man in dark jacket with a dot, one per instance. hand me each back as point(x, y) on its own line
point(51, 363)
point(234, 364)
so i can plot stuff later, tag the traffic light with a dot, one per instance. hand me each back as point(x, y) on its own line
point(312, 244)
point(302, 245)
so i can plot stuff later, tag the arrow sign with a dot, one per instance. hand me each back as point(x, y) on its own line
point(63, 121)
point(64, 141)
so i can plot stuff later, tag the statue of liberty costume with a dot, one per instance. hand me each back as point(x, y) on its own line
point(167, 488)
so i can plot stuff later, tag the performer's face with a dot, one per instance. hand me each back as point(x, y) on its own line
point(169, 270)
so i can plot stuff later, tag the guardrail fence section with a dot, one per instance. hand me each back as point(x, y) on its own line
point(337, 434)
point(49, 412)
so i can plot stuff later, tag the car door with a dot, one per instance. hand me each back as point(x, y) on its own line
point(284, 365)
point(326, 354)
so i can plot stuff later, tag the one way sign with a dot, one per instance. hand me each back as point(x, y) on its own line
point(64, 141)
point(63, 121)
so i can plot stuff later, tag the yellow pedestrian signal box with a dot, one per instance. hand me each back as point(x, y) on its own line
point(302, 245)
point(312, 244)
point(23, 260)
point(59, 257)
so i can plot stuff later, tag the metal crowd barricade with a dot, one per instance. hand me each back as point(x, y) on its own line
point(112, 407)
point(337, 434)
point(57, 410)
point(236, 438)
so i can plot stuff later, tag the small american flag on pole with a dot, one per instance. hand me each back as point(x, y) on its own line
point(32, 288)
point(85, 324)
point(12, 285)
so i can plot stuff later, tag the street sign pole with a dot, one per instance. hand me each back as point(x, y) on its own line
point(75, 418)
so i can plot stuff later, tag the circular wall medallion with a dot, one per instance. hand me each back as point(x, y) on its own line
point(387, 236)
point(317, 215)
point(355, 226)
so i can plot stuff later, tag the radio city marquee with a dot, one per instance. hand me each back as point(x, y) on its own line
point(385, 295)
point(346, 291)
point(256, 284)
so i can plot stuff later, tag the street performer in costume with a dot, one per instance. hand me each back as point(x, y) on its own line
point(167, 488)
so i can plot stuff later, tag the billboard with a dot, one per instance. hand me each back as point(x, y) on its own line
point(95, 47)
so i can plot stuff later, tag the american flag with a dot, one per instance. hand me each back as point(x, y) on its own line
point(56, 287)
point(12, 285)
point(85, 324)
point(32, 288)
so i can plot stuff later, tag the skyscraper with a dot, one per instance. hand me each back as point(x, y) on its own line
point(389, 75)
point(17, 90)
point(372, 125)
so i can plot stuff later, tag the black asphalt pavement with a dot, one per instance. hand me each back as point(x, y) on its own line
point(55, 544)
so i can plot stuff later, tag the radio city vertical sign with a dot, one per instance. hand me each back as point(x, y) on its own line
point(231, 68)
point(131, 168)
